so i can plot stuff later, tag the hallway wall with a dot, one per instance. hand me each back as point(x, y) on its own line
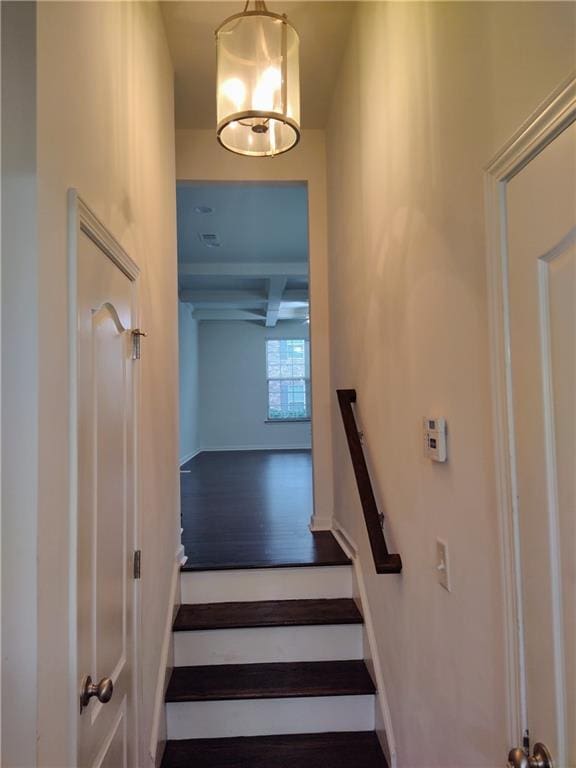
point(20, 333)
point(427, 94)
point(105, 127)
point(233, 388)
point(188, 362)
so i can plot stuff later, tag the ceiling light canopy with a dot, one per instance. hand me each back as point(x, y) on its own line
point(258, 83)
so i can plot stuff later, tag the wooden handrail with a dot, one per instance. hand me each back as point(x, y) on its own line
point(383, 560)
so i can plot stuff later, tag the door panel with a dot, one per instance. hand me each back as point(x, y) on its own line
point(541, 216)
point(106, 519)
point(114, 751)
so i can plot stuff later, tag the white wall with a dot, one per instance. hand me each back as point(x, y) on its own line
point(199, 157)
point(105, 127)
point(233, 387)
point(189, 383)
point(19, 386)
point(427, 94)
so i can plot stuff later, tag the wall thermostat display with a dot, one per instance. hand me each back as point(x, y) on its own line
point(435, 439)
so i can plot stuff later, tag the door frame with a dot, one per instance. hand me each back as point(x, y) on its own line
point(555, 114)
point(81, 219)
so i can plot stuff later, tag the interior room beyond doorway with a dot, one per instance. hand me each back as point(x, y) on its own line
point(245, 385)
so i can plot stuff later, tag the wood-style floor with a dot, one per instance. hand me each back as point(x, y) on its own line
point(251, 509)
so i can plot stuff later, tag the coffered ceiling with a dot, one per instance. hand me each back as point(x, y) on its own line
point(243, 250)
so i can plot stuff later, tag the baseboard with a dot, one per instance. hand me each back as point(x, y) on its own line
point(181, 555)
point(189, 456)
point(383, 718)
point(307, 447)
point(319, 523)
point(344, 539)
point(158, 730)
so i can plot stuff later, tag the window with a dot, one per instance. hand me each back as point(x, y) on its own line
point(288, 372)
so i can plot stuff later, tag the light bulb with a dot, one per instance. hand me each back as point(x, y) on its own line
point(235, 90)
point(269, 83)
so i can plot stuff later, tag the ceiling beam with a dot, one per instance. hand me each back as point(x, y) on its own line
point(224, 299)
point(227, 314)
point(247, 270)
point(294, 313)
point(245, 299)
point(276, 286)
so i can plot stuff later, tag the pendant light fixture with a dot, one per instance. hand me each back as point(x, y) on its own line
point(258, 83)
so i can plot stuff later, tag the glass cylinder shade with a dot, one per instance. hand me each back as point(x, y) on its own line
point(258, 91)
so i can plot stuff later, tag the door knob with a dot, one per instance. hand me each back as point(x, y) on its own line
point(102, 690)
point(517, 758)
point(520, 758)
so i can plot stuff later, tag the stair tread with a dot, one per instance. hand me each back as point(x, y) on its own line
point(338, 750)
point(285, 549)
point(269, 681)
point(266, 613)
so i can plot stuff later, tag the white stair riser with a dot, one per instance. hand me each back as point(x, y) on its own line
point(268, 644)
point(266, 584)
point(265, 717)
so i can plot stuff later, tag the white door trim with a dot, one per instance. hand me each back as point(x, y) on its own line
point(542, 127)
point(82, 219)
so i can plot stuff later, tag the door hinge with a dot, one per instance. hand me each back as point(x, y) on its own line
point(136, 336)
point(138, 564)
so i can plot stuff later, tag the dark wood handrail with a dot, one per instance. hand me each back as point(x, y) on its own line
point(383, 560)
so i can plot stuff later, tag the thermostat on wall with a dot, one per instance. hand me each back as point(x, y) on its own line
point(435, 439)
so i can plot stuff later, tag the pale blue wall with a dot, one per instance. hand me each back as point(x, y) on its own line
point(233, 388)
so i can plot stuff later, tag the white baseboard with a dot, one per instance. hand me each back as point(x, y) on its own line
point(158, 730)
point(345, 540)
point(307, 447)
point(320, 523)
point(383, 718)
point(186, 459)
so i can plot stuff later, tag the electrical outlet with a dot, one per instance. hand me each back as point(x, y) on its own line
point(442, 565)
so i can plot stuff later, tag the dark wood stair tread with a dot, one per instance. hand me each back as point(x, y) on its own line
point(269, 681)
point(287, 548)
point(267, 613)
point(337, 750)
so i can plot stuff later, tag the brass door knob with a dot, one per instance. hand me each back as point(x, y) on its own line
point(520, 758)
point(102, 690)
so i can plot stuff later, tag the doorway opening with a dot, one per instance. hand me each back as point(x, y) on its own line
point(245, 377)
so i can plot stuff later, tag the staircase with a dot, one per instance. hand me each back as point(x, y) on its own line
point(269, 672)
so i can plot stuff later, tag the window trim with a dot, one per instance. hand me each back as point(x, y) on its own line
point(307, 380)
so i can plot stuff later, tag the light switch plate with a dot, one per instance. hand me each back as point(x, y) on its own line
point(442, 565)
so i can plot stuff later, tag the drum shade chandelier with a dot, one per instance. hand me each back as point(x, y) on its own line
point(258, 83)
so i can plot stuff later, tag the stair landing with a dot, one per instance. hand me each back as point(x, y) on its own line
point(252, 509)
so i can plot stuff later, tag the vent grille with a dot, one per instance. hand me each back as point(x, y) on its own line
point(210, 239)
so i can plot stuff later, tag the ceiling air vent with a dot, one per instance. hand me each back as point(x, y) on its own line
point(209, 239)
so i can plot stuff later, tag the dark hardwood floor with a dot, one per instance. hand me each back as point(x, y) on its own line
point(251, 509)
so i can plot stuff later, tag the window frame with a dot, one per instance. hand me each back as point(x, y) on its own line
point(308, 391)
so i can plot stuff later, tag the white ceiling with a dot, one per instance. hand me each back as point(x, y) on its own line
point(322, 26)
point(252, 222)
point(259, 269)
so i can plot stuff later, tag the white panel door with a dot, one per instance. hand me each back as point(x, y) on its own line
point(541, 218)
point(106, 505)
